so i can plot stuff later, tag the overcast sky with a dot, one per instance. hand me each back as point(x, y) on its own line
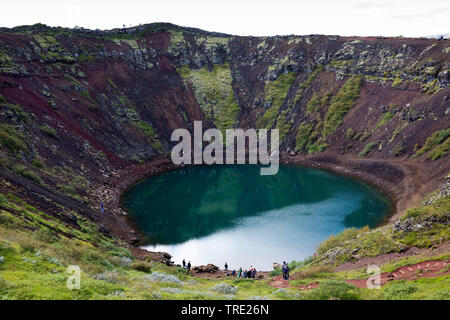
point(242, 17)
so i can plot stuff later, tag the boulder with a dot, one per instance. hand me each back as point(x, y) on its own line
point(104, 230)
point(162, 257)
point(209, 268)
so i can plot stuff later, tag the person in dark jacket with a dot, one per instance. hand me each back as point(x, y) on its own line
point(189, 266)
point(286, 271)
point(226, 266)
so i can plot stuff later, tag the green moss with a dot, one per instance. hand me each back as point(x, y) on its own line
point(10, 139)
point(18, 112)
point(302, 137)
point(341, 104)
point(350, 133)
point(85, 93)
point(45, 41)
point(38, 163)
point(397, 81)
point(386, 117)
point(318, 146)
point(275, 92)
point(367, 149)
point(398, 151)
point(49, 131)
point(433, 141)
point(29, 174)
point(111, 83)
point(362, 136)
point(283, 124)
point(214, 93)
point(312, 104)
point(311, 77)
point(440, 151)
point(90, 57)
point(151, 134)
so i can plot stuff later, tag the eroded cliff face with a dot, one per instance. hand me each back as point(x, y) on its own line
point(78, 105)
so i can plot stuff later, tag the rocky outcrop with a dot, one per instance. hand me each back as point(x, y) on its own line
point(209, 268)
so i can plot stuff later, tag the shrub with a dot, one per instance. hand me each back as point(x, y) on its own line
point(362, 136)
point(20, 114)
point(350, 133)
point(399, 289)
point(398, 151)
point(49, 131)
point(367, 149)
point(151, 134)
point(436, 138)
point(386, 117)
point(320, 271)
point(141, 266)
point(31, 175)
point(224, 288)
point(303, 135)
point(11, 139)
point(312, 104)
point(37, 163)
point(335, 289)
point(23, 171)
point(162, 277)
point(440, 151)
point(275, 272)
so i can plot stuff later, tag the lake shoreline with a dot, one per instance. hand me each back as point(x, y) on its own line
point(398, 180)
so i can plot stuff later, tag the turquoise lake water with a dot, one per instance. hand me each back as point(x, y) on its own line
point(230, 213)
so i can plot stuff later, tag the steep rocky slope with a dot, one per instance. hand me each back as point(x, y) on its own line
point(85, 113)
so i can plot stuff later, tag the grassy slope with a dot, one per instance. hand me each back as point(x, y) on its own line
point(37, 248)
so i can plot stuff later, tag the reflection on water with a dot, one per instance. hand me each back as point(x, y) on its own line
point(232, 213)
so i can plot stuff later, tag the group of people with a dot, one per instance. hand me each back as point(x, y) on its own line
point(187, 266)
point(250, 273)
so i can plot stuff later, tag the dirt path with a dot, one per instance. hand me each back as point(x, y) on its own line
point(426, 269)
point(279, 282)
point(385, 258)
